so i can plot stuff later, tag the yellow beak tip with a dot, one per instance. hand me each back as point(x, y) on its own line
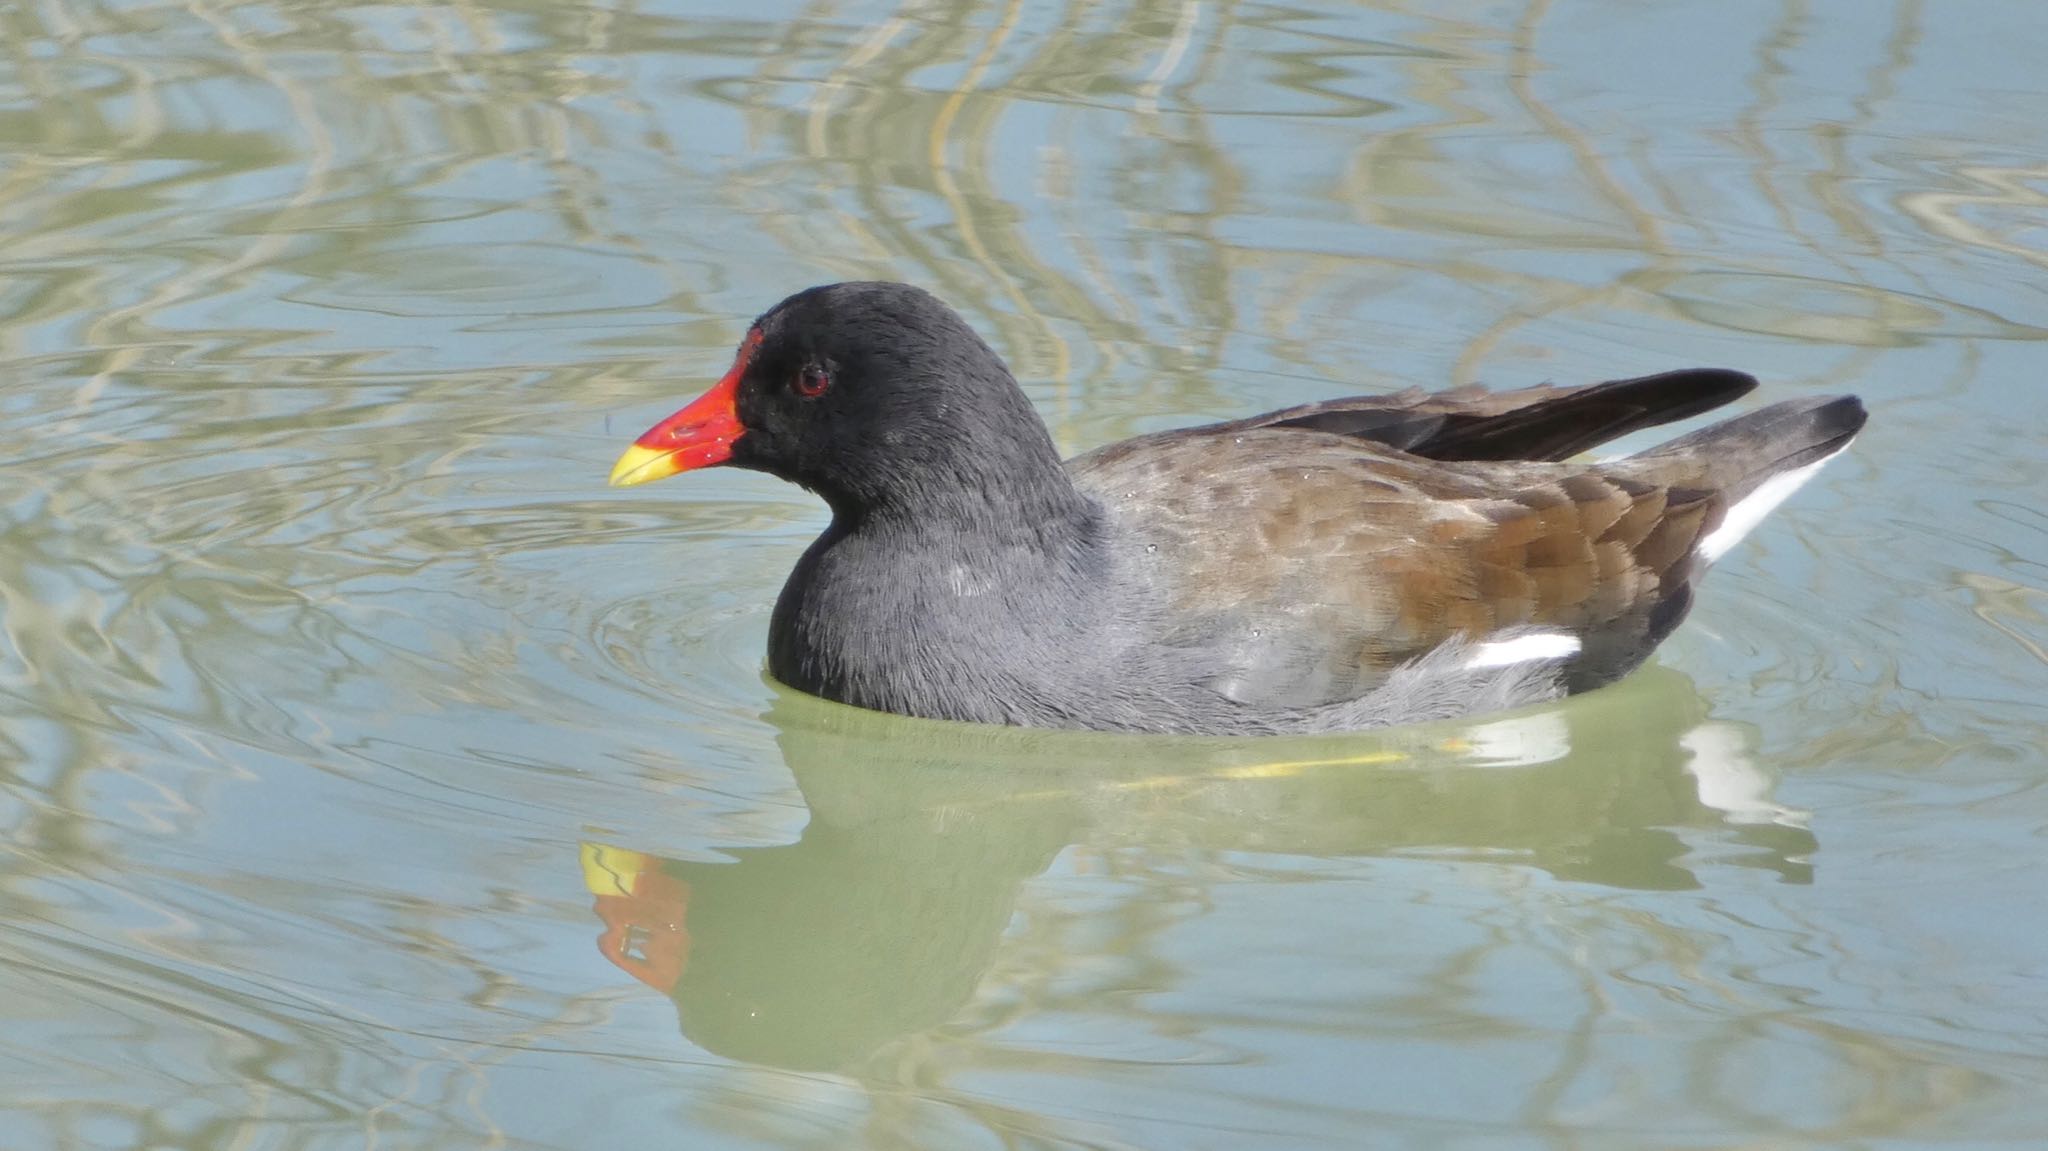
point(642, 465)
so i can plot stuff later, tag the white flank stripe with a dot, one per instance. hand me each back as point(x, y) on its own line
point(1751, 509)
point(1523, 648)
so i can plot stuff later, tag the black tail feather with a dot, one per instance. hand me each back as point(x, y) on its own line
point(1540, 423)
point(1566, 425)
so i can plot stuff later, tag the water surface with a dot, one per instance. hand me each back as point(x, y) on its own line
point(371, 776)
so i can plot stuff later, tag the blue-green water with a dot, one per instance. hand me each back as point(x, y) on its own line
point(372, 776)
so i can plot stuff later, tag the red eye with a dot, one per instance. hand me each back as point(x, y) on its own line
point(812, 381)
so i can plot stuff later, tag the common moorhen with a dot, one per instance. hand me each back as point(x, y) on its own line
point(1345, 564)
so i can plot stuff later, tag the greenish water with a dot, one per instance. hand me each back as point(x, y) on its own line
point(371, 776)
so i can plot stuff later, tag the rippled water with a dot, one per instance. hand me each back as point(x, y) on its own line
point(371, 776)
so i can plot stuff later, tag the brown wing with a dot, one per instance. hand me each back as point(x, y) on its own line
point(1601, 554)
point(1315, 563)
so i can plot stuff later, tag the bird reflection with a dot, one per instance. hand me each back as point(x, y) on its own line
point(883, 918)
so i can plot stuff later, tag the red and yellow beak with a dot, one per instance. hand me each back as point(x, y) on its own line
point(699, 436)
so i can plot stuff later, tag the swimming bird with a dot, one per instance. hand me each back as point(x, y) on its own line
point(1346, 564)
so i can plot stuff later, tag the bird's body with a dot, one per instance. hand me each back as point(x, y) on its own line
point(1349, 564)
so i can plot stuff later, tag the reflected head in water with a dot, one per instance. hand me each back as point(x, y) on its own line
point(885, 917)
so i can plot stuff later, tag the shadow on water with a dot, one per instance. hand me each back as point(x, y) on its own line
point(884, 917)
